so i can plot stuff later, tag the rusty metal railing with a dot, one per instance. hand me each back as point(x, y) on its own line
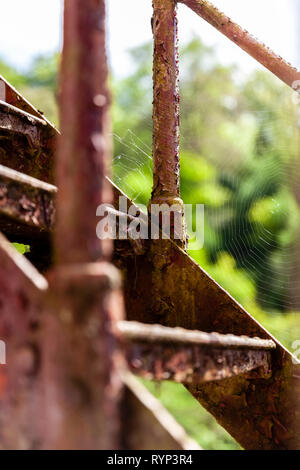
point(65, 364)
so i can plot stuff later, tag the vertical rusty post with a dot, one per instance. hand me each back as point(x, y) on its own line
point(84, 120)
point(81, 383)
point(166, 181)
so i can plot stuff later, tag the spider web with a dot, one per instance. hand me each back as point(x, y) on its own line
point(132, 168)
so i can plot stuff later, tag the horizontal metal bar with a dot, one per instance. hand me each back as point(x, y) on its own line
point(26, 205)
point(260, 52)
point(15, 120)
point(27, 142)
point(161, 334)
point(21, 178)
point(195, 363)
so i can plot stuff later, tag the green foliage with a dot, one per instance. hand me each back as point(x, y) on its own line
point(43, 71)
point(22, 248)
point(12, 75)
point(196, 420)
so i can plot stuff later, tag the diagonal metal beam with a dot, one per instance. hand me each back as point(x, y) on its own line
point(260, 52)
point(147, 423)
point(11, 96)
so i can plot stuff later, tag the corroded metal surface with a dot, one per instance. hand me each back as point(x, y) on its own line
point(26, 206)
point(19, 122)
point(163, 284)
point(194, 364)
point(160, 353)
point(260, 52)
point(82, 389)
point(165, 101)
point(162, 334)
point(166, 188)
point(21, 292)
point(27, 142)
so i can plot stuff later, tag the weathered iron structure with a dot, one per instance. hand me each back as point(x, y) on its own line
point(74, 334)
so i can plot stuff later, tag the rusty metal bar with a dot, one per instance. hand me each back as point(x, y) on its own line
point(17, 121)
point(166, 187)
point(195, 363)
point(274, 63)
point(27, 142)
point(82, 386)
point(162, 334)
point(26, 206)
point(84, 153)
point(166, 101)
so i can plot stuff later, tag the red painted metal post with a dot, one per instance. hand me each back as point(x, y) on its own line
point(166, 182)
point(81, 384)
point(265, 56)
